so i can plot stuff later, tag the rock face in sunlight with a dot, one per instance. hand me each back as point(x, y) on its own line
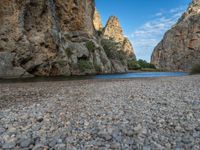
point(51, 38)
point(113, 30)
point(97, 21)
point(179, 50)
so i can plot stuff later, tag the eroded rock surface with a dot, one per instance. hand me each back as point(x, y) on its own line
point(179, 50)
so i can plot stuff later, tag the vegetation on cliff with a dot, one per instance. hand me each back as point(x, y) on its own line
point(195, 69)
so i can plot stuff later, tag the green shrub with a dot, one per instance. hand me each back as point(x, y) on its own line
point(195, 69)
point(133, 65)
point(113, 51)
point(145, 64)
point(99, 32)
point(69, 52)
point(85, 65)
point(90, 46)
point(61, 62)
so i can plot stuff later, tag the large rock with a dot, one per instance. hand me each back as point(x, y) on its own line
point(113, 31)
point(8, 69)
point(179, 50)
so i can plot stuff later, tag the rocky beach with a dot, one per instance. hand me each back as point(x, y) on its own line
point(146, 114)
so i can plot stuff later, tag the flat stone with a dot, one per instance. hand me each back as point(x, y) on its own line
point(60, 147)
point(2, 130)
point(9, 145)
point(105, 135)
point(25, 142)
point(40, 147)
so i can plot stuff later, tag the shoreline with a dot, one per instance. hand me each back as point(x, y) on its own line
point(76, 78)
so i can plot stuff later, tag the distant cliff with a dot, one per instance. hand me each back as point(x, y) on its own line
point(179, 50)
point(51, 38)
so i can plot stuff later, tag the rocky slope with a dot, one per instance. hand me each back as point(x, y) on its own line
point(180, 48)
point(50, 38)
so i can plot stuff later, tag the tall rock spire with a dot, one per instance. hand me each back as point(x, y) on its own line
point(113, 30)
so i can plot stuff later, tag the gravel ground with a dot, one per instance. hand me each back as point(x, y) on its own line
point(143, 114)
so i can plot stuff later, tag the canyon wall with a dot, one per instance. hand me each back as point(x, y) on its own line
point(51, 38)
point(179, 50)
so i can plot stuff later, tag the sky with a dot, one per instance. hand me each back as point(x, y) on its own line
point(144, 22)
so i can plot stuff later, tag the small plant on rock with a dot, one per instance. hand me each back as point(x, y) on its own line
point(195, 69)
point(85, 65)
point(90, 46)
point(69, 52)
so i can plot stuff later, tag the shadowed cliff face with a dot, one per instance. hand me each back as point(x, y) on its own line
point(50, 38)
point(179, 50)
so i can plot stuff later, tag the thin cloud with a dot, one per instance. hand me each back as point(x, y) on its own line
point(159, 14)
point(146, 37)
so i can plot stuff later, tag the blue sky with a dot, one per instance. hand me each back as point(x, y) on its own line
point(144, 21)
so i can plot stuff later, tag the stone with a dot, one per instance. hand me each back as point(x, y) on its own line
point(8, 70)
point(9, 145)
point(179, 49)
point(25, 142)
point(2, 130)
point(105, 135)
point(60, 147)
point(40, 119)
point(138, 128)
point(40, 147)
point(146, 148)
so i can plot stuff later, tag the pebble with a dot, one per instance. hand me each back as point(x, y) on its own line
point(60, 147)
point(2, 130)
point(25, 142)
point(105, 135)
point(9, 145)
point(160, 114)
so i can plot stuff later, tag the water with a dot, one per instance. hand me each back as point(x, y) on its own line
point(107, 76)
point(140, 75)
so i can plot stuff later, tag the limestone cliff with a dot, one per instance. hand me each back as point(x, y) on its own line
point(113, 30)
point(179, 50)
point(51, 38)
point(97, 21)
